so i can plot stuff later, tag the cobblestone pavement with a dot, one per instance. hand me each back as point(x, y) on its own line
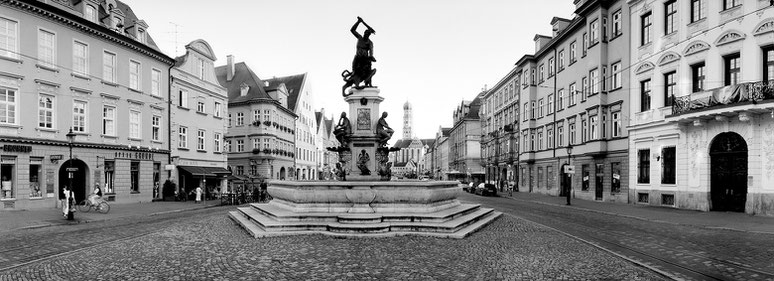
point(206, 245)
point(684, 251)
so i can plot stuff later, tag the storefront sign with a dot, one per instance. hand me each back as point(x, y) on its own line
point(134, 155)
point(17, 148)
point(56, 157)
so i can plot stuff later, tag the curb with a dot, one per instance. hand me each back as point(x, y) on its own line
point(641, 218)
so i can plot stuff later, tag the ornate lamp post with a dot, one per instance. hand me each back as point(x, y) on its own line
point(70, 139)
point(569, 183)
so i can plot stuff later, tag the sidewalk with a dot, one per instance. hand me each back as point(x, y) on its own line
point(714, 220)
point(26, 219)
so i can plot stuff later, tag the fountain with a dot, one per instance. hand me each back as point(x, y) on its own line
point(366, 203)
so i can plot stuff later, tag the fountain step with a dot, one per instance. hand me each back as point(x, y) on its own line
point(278, 212)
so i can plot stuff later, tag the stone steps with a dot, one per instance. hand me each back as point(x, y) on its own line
point(263, 220)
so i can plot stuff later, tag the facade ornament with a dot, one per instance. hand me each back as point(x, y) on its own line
point(696, 47)
point(668, 57)
point(645, 66)
point(729, 37)
point(764, 27)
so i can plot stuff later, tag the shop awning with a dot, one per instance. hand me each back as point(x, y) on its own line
point(196, 171)
point(216, 170)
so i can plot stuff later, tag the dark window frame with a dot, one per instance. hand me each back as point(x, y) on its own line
point(696, 11)
point(668, 165)
point(643, 166)
point(670, 87)
point(645, 37)
point(698, 76)
point(732, 69)
point(768, 62)
point(645, 95)
point(670, 17)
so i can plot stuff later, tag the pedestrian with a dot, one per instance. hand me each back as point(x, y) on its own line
point(68, 203)
point(198, 194)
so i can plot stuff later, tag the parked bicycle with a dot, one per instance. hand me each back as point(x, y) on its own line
point(101, 207)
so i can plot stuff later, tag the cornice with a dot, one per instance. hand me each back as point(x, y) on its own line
point(81, 145)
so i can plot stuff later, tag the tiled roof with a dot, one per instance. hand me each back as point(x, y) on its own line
point(130, 17)
point(402, 143)
point(293, 83)
point(428, 142)
point(242, 75)
point(318, 119)
point(329, 126)
point(475, 105)
point(445, 131)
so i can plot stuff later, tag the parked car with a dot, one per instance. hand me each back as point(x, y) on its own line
point(485, 189)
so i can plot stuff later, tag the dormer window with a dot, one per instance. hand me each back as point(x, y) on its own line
point(244, 89)
point(118, 24)
point(90, 13)
point(141, 35)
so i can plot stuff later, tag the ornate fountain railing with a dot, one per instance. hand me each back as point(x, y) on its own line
point(752, 92)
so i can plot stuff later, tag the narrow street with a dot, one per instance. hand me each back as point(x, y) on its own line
point(682, 251)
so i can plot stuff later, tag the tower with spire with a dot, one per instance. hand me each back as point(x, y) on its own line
point(408, 121)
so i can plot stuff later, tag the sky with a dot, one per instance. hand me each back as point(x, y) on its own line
point(431, 53)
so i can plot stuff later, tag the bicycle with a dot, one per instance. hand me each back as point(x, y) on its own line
point(101, 207)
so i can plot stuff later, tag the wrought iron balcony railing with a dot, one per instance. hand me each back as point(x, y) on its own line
point(753, 92)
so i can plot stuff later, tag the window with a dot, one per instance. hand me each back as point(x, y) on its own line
point(540, 139)
point(617, 75)
point(768, 63)
point(135, 128)
point(240, 145)
point(550, 179)
point(240, 170)
point(697, 10)
point(560, 100)
point(109, 67)
point(200, 106)
point(540, 108)
point(697, 71)
point(46, 48)
point(90, 13)
point(156, 125)
point(560, 135)
point(550, 104)
point(550, 138)
point(257, 115)
point(240, 119)
point(201, 70)
point(645, 95)
point(732, 69)
point(134, 169)
point(108, 120)
point(669, 88)
point(615, 181)
point(218, 139)
point(229, 119)
point(584, 88)
point(728, 4)
point(585, 44)
point(586, 173)
point(645, 31)
point(110, 167)
point(217, 111)
point(617, 29)
point(643, 166)
point(9, 38)
point(593, 133)
point(155, 82)
point(182, 140)
point(572, 133)
point(79, 116)
point(525, 111)
point(200, 135)
point(533, 111)
point(253, 169)
point(594, 32)
point(668, 162)
point(670, 17)
point(616, 124)
point(35, 177)
point(256, 143)
point(80, 58)
point(532, 77)
point(561, 60)
point(134, 75)
point(542, 77)
point(573, 54)
point(584, 129)
point(551, 67)
point(573, 95)
point(182, 98)
point(604, 125)
point(540, 176)
point(46, 111)
point(594, 79)
point(532, 140)
point(141, 35)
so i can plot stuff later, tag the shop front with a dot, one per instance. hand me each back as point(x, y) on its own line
point(213, 180)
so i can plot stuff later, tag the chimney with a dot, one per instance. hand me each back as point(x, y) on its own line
point(230, 67)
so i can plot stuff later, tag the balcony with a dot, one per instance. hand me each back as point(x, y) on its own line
point(721, 98)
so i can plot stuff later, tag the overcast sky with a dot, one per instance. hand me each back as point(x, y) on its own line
point(432, 53)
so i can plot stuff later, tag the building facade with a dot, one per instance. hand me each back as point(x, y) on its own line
point(326, 159)
point(301, 102)
point(575, 96)
point(702, 131)
point(500, 130)
point(198, 114)
point(440, 156)
point(465, 142)
point(90, 67)
point(260, 137)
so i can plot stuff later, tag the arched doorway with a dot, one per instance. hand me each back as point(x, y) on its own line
point(282, 173)
point(566, 182)
point(80, 179)
point(728, 170)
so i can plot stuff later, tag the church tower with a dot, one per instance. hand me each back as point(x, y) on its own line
point(408, 122)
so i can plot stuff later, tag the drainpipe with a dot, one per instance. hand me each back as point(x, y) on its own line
point(169, 118)
point(553, 132)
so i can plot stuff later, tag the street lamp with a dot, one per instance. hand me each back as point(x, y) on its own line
point(569, 183)
point(70, 138)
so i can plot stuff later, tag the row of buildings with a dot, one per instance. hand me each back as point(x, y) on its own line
point(138, 117)
point(658, 102)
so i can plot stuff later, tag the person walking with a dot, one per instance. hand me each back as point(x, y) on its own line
point(198, 194)
point(68, 204)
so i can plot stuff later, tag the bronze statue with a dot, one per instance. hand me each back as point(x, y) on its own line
point(361, 64)
point(362, 163)
point(343, 130)
point(384, 168)
point(383, 131)
point(340, 173)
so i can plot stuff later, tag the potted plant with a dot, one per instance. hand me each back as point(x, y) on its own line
point(267, 123)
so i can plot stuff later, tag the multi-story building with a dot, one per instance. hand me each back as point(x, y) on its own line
point(199, 107)
point(575, 96)
point(465, 142)
point(260, 135)
point(702, 129)
point(440, 156)
point(89, 67)
point(500, 129)
point(301, 102)
point(325, 159)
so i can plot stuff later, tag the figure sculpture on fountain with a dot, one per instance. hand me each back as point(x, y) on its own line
point(383, 131)
point(361, 64)
point(343, 130)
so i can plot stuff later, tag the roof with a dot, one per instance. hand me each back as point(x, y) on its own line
point(445, 131)
point(318, 118)
point(402, 143)
point(293, 83)
point(329, 126)
point(475, 105)
point(428, 142)
point(242, 75)
point(130, 17)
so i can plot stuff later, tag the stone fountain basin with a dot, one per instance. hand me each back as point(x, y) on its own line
point(368, 197)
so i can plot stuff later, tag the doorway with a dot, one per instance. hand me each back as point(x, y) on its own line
point(728, 169)
point(79, 171)
point(566, 182)
point(600, 177)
